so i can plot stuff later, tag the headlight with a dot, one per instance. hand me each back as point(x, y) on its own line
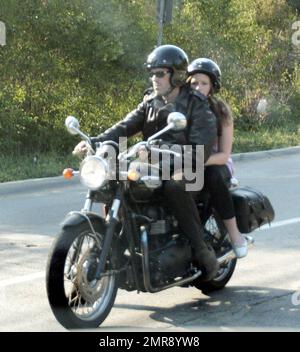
point(94, 172)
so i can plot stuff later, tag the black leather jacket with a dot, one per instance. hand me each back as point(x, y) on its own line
point(151, 116)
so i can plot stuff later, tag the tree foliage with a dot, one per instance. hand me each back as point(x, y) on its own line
point(85, 57)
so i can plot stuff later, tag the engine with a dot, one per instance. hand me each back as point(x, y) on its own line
point(169, 250)
point(171, 261)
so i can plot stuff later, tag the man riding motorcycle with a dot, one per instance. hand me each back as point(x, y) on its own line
point(167, 65)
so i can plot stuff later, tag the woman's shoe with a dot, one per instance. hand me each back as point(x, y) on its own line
point(241, 250)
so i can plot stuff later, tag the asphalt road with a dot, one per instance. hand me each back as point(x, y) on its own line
point(263, 294)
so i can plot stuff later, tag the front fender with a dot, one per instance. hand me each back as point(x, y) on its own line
point(76, 218)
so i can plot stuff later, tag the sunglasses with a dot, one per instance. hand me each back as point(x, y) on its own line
point(158, 74)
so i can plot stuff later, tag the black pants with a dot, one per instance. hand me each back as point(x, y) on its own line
point(216, 181)
point(185, 210)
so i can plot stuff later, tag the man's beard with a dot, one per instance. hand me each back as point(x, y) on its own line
point(164, 94)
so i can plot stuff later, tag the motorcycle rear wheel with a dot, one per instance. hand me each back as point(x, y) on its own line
point(76, 299)
point(220, 281)
point(214, 228)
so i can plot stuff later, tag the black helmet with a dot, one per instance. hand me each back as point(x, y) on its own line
point(208, 67)
point(172, 57)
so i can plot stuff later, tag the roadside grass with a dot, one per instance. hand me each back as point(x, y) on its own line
point(265, 139)
point(19, 167)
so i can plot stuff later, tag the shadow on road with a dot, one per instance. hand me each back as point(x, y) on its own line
point(236, 307)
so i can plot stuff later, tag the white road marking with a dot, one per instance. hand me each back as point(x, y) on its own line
point(38, 275)
point(21, 279)
point(279, 224)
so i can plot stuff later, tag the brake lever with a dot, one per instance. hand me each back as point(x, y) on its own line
point(165, 151)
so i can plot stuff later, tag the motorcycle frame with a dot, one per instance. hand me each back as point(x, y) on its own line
point(133, 233)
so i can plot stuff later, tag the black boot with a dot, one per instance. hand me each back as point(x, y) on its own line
point(207, 261)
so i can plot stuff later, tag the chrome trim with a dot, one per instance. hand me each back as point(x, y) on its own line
point(87, 205)
point(157, 134)
point(231, 255)
point(166, 151)
point(146, 265)
point(115, 208)
point(226, 257)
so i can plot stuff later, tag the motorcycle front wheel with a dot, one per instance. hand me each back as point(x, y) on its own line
point(76, 298)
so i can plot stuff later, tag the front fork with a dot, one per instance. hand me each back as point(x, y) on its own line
point(85, 214)
point(112, 221)
point(88, 204)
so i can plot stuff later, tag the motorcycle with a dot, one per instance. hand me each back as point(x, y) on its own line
point(135, 245)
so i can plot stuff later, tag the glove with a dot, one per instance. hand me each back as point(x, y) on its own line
point(80, 150)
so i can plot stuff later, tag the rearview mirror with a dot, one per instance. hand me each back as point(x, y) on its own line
point(72, 124)
point(177, 120)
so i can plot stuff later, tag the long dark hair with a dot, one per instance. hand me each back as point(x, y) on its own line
point(218, 106)
point(222, 112)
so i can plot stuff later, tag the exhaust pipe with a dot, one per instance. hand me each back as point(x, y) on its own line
point(146, 267)
point(231, 255)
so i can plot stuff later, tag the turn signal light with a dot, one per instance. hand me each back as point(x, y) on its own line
point(133, 175)
point(68, 173)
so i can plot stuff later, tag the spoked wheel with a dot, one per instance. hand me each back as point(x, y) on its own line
point(217, 237)
point(77, 299)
